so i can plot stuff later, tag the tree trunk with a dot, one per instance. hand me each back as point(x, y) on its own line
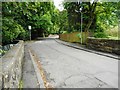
point(92, 15)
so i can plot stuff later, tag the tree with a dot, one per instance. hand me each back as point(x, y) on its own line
point(11, 30)
point(37, 14)
point(96, 15)
point(107, 15)
point(63, 21)
point(88, 11)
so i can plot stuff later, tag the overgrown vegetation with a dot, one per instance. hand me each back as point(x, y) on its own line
point(97, 17)
point(11, 30)
point(45, 19)
point(16, 16)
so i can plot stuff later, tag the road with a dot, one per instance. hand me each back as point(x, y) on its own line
point(66, 67)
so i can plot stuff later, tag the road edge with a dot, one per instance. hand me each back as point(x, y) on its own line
point(80, 48)
point(39, 77)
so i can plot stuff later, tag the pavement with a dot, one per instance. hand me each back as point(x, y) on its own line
point(67, 67)
point(29, 76)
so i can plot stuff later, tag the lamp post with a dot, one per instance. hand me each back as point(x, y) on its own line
point(29, 27)
point(81, 21)
point(80, 10)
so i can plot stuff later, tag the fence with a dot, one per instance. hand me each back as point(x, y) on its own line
point(74, 37)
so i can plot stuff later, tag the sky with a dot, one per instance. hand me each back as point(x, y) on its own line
point(58, 3)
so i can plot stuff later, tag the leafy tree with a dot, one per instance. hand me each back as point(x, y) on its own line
point(37, 14)
point(63, 21)
point(107, 15)
point(74, 13)
point(97, 16)
point(12, 23)
point(11, 30)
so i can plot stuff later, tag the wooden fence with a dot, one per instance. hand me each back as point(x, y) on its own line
point(74, 37)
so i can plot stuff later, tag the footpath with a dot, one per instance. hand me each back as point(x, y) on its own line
point(83, 47)
point(29, 77)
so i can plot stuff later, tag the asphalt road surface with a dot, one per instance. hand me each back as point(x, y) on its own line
point(66, 67)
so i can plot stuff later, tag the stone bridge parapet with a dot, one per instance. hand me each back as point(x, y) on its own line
point(12, 66)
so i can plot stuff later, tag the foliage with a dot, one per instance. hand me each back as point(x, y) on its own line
point(20, 85)
point(63, 22)
point(74, 15)
point(97, 17)
point(118, 10)
point(107, 15)
point(113, 32)
point(11, 30)
point(100, 35)
point(2, 52)
point(45, 18)
point(40, 15)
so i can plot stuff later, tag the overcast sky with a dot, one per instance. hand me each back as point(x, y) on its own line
point(58, 4)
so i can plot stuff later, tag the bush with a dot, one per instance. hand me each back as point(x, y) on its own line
point(24, 35)
point(2, 52)
point(100, 35)
point(112, 32)
point(10, 30)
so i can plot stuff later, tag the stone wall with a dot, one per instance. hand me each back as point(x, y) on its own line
point(106, 45)
point(5, 49)
point(12, 66)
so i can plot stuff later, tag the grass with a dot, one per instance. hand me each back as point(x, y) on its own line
point(20, 85)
